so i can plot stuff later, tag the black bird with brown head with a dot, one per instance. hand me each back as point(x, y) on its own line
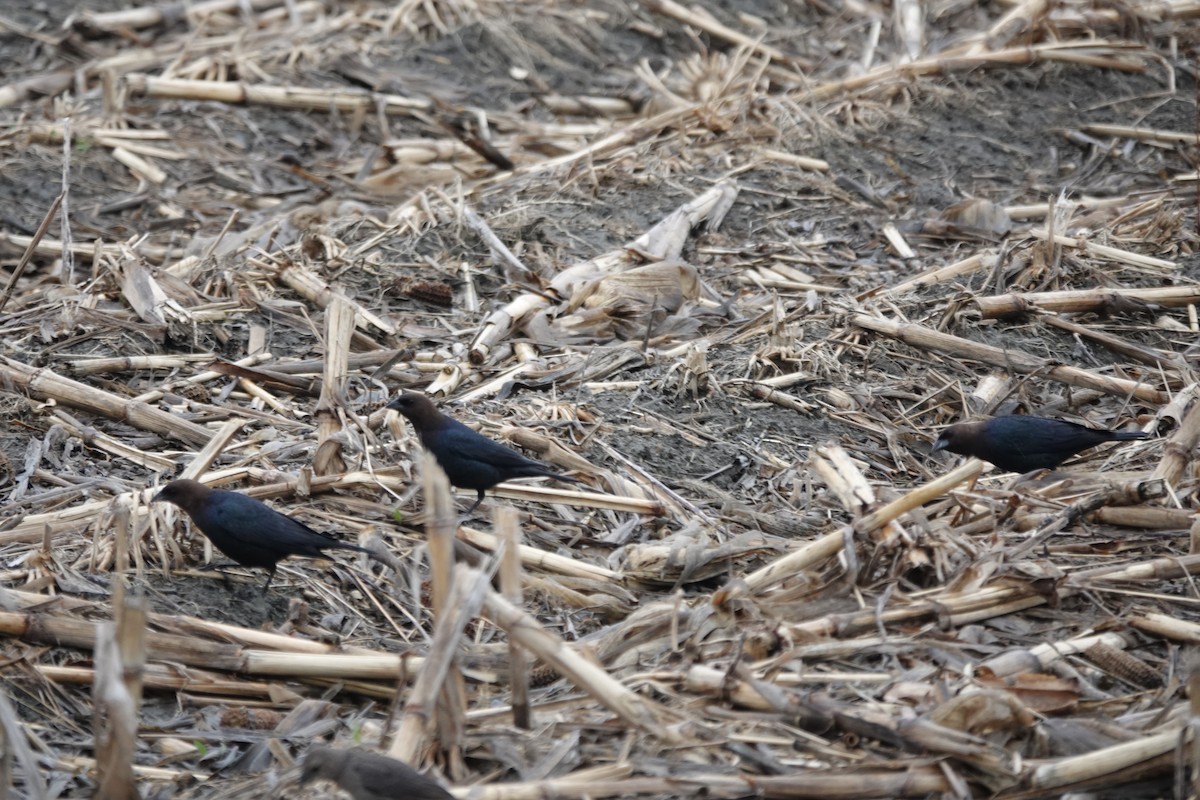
point(247, 530)
point(469, 459)
point(1019, 443)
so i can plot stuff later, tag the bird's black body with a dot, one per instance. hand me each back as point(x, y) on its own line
point(1020, 443)
point(247, 530)
point(369, 776)
point(469, 459)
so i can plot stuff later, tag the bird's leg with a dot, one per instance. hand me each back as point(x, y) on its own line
point(270, 577)
point(474, 505)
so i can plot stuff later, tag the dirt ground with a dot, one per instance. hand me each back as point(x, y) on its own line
point(722, 396)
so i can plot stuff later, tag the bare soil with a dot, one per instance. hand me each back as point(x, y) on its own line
point(756, 413)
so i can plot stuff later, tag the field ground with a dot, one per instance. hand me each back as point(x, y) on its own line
point(735, 264)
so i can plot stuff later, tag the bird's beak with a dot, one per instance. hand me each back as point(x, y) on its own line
point(939, 445)
point(394, 405)
point(156, 497)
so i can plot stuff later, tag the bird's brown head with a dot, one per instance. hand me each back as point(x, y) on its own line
point(957, 438)
point(419, 409)
point(322, 762)
point(186, 494)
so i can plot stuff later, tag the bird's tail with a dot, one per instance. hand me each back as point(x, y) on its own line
point(1121, 436)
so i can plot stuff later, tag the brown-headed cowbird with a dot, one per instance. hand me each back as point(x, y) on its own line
point(1020, 443)
point(469, 459)
point(369, 776)
point(247, 530)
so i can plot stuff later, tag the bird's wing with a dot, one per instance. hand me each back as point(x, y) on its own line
point(465, 444)
point(249, 520)
point(387, 777)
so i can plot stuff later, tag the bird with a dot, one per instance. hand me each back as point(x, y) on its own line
point(469, 459)
point(1020, 443)
point(247, 530)
point(369, 776)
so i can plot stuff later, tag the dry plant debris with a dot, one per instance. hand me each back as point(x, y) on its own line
point(734, 264)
